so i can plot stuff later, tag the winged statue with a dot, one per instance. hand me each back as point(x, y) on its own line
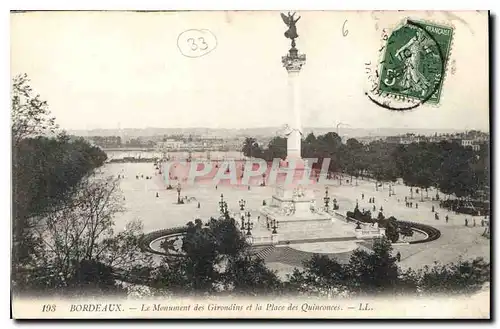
point(290, 21)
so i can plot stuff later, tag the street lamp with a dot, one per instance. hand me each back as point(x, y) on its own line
point(179, 189)
point(242, 204)
point(248, 225)
point(221, 203)
point(242, 222)
point(326, 198)
point(274, 224)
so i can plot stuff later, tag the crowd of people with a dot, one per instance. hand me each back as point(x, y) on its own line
point(412, 204)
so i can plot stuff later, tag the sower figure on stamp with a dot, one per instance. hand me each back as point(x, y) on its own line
point(410, 55)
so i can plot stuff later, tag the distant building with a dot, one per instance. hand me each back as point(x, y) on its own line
point(473, 139)
point(470, 143)
point(405, 139)
point(171, 144)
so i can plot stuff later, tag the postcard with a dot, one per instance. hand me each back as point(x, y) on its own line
point(250, 164)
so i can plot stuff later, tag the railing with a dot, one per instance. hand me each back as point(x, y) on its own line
point(262, 240)
point(431, 232)
point(146, 241)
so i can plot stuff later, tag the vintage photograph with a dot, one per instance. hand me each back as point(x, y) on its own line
point(250, 164)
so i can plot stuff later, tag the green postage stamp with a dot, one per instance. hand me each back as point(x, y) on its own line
point(414, 62)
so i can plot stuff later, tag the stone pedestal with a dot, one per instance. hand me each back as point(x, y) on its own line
point(274, 238)
point(249, 239)
point(369, 232)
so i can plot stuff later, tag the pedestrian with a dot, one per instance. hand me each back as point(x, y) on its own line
point(362, 196)
point(432, 209)
point(474, 223)
point(406, 198)
point(398, 256)
point(411, 204)
point(373, 199)
point(466, 222)
point(198, 205)
point(157, 194)
point(416, 205)
point(446, 218)
point(249, 187)
point(374, 208)
point(216, 187)
point(482, 222)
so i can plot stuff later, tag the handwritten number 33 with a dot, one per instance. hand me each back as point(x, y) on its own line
point(202, 45)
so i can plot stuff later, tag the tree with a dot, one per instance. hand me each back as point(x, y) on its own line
point(353, 157)
point(367, 273)
point(92, 278)
point(80, 231)
point(380, 162)
point(277, 148)
point(321, 276)
point(463, 277)
point(250, 276)
point(30, 115)
point(251, 148)
point(375, 272)
point(391, 227)
point(44, 169)
point(217, 260)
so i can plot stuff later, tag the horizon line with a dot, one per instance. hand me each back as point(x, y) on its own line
point(273, 127)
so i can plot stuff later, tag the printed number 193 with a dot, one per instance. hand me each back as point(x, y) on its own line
point(49, 308)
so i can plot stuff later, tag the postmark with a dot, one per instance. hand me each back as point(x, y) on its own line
point(412, 68)
point(196, 43)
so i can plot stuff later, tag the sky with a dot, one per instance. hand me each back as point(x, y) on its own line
point(129, 69)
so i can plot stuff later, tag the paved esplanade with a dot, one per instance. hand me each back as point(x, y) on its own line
point(162, 212)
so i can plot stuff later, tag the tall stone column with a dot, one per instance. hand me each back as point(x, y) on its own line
point(293, 63)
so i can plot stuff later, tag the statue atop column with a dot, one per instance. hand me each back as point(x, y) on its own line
point(291, 33)
point(293, 60)
point(291, 22)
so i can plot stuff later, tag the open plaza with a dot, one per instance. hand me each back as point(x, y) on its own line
point(149, 201)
